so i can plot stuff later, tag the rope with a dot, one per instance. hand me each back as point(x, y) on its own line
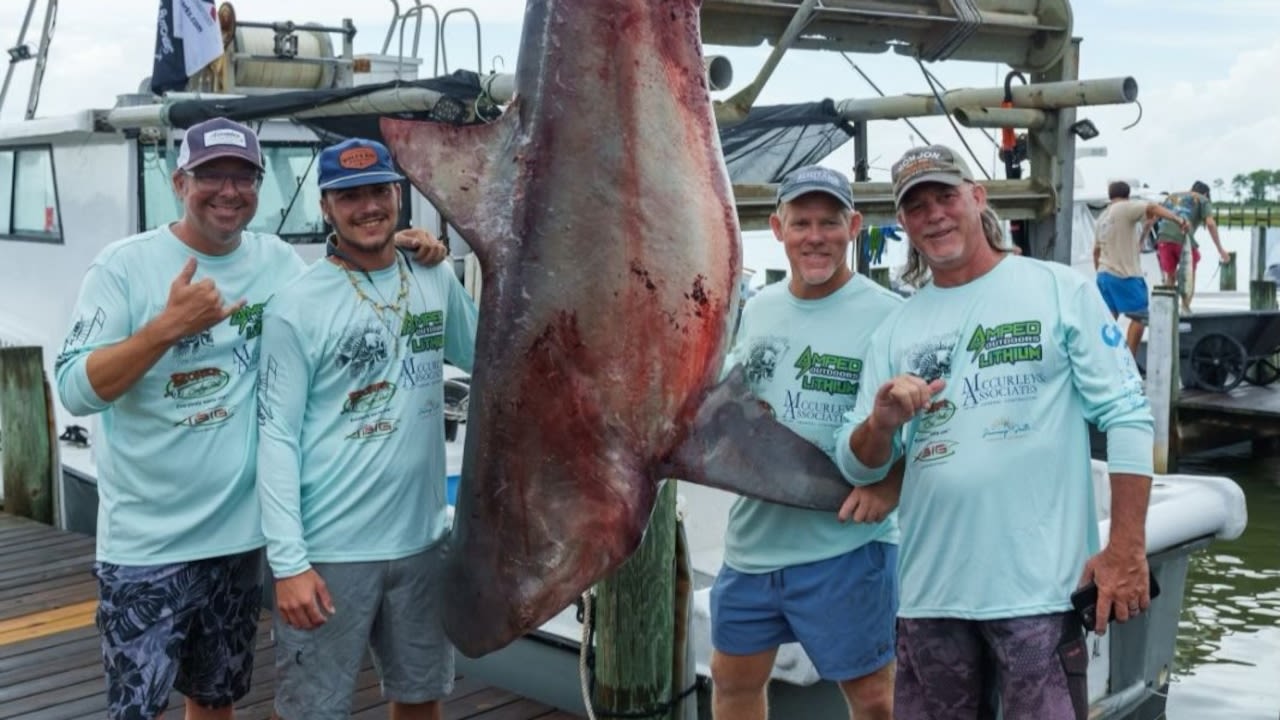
point(585, 676)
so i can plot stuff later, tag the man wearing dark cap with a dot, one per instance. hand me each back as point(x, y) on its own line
point(165, 345)
point(1175, 241)
point(794, 575)
point(351, 455)
point(983, 381)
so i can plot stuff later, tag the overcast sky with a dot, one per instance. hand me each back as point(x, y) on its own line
point(1206, 72)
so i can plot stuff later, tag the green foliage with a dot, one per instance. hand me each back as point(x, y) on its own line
point(1257, 187)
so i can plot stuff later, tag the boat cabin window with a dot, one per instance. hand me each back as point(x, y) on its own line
point(29, 199)
point(288, 202)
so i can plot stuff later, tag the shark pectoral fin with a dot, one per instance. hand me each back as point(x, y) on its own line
point(735, 444)
point(463, 170)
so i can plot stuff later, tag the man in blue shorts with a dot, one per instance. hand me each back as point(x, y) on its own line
point(351, 454)
point(798, 575)
point(983, 381)
point(1116, 249)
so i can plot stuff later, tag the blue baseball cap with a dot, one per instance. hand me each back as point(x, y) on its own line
point(355, 162)
point(815, 178)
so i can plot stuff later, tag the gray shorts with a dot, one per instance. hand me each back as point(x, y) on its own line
point(1038, 667)
point(390, 607)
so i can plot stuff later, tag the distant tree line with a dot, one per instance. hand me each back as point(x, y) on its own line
point(1260, 187)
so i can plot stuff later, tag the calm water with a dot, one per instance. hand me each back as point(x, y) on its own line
point(1228, 661)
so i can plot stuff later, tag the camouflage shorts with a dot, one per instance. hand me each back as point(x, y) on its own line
point(186, 626)
point(1036, 666)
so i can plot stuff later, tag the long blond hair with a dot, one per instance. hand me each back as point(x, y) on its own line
point(917, 273)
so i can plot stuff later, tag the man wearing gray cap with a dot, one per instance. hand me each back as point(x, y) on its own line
point(983, 381)
point(165, 345)
point(793, 575)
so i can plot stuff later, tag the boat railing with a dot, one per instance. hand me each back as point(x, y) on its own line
point(440, 51)
point(21, 52)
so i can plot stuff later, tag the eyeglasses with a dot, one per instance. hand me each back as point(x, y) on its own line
point(210, 180)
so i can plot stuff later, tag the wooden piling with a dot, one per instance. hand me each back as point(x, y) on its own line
point(1227, 281)
point(635, 617)
point(27, 430)
point(1262, 295)
point(1163, 381)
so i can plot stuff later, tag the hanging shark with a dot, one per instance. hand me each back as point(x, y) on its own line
point(603, 217)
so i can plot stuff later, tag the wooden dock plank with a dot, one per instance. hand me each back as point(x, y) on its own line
point(1245, 399)
point(50, 656)
point(47, 622)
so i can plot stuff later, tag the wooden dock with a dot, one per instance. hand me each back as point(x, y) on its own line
point(1209, 420)
point(50, 667)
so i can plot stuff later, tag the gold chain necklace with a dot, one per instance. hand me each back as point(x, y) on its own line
point(396, 308)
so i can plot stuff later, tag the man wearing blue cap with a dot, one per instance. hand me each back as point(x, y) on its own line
point(165, 345)
point(793, 575)
point(351, 456)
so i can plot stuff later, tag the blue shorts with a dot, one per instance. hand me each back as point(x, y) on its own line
point(841, 611)
point(1123, 295)
point(187, 626)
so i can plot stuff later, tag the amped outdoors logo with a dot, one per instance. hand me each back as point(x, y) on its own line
point(832, 374)
point(1010, 343)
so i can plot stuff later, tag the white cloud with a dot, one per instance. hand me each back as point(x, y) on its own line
point(1202, 130)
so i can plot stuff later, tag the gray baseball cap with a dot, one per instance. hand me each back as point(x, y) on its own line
point(815, 178)
point(933, 163)
point(218, 138)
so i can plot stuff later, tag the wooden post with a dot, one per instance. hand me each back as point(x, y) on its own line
point(1163, 382)
point(1262, 292)
point(1227, 282)
point(1258, 253)
point(27, 431)
point(635, 617)
point(1262, 295)
point(881, 276)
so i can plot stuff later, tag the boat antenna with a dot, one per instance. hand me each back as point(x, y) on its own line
point(875, 87)
point(943, 106)
point(284, 214)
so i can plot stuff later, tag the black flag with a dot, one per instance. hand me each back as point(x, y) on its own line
point(185, 42)
point(167, 70)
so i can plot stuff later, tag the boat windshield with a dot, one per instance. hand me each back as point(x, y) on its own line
point(288, 203)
